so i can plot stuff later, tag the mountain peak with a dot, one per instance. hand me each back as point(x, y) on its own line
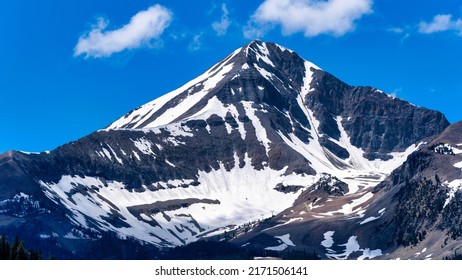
point(259, 63)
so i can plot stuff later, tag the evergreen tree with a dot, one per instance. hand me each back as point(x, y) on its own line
point(4, 249)
point(21, 253)
point(33, 255)
point(14, 248)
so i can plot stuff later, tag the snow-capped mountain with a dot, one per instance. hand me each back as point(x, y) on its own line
point(253, 136)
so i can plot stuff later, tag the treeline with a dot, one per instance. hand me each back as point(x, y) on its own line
point(217, 250)
point(17, 250)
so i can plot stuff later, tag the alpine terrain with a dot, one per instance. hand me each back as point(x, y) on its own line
point(264, 150)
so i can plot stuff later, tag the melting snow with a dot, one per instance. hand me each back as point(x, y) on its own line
point(458, 165)
point(349, 208)
point(370, 219)
point(286, 242)
point(328, 240)
point(107, 153)
point(454, 187)
point(244, 195)
point(351, 247)
point(144, 146)
point(115, 155)
point(259, 129)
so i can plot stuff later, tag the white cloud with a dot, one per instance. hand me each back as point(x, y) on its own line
point(221, 27)
point(312, 17)
point(196, 43)
point(441, 23)
point(140, 31)
point(397, 30)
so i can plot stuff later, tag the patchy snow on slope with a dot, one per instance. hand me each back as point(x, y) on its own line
point(285, 243)
point(353, 207)
point(214, 107)
point(173, 113)
point(453, 187)
point(286, 239)
point(264, 54)
point(241, 194)
point(306, 87)
point(144, 145)
point(240, 126)
point(280, 247)
point(292, 220)
point(119, 160)
point(328, 241)
point(373, 218)
point(208, 80)
point(370, 254)
point(178, 129)
point(352, 246)
point(259, 129)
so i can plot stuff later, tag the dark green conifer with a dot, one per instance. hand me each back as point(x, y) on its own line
point(14, 248)
point(4, 248)
point(21, 253)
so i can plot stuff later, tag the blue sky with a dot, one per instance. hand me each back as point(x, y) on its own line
point(68, 68)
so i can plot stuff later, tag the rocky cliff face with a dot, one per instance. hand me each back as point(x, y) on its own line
point(413, 214)
point(258, 131)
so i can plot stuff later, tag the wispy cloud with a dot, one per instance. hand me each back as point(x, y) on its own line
point(143, 27)
point(404, 32)
point(395, 92)
point(312, 17)
point(196, 43)
point(221, 27)
point(441, 23)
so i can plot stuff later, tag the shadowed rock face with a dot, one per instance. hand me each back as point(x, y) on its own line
point(374, 121)
point(248, 111)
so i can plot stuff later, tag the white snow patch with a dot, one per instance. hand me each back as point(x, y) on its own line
point(454, 187)
point(458, 165)
point(351, 247)
point(286, 242)
point(208, 80)
point(119, 160)
point(30, 153)
point(173, 113)
point(370, 219)
point(328, 239)
point(259, 129)
point(145, 217)
point(370, 254)
point(244, 195)
point(169, 163)
point(176, 129)
point(136, 155)
point(306, 87)
point(280, 247)
point(285, 223)
point(107, 153)
point(144, 145)
point(349, 208)
point(240, 126)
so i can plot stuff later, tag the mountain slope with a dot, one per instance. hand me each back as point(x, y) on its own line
point(242, 141)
